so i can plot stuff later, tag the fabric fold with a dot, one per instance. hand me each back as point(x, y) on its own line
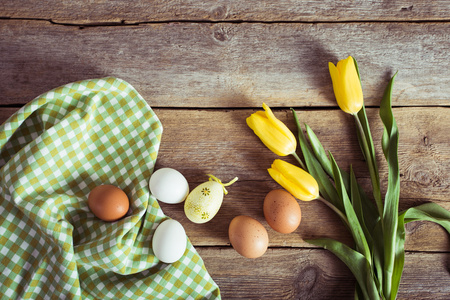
point(53, 151)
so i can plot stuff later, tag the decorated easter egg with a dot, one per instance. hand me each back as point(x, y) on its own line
point(203, 203)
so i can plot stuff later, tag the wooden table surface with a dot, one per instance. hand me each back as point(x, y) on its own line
point(204, 66)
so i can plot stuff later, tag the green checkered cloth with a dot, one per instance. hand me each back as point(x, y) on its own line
point(54, 150)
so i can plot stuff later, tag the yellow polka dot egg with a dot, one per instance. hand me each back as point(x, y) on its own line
point(203, 202)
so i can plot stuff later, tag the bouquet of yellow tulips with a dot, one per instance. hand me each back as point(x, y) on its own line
point(377, 227)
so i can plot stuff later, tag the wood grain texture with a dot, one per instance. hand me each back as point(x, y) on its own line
point(315, 274)
point(204, 66)
point(226, 10)
point(219, 142)
point(228, 65)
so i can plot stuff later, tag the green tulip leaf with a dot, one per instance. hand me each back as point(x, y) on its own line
point(355, 261)
point(353, 221)
point(378, 255)
point(366, 143)
point(356, 200)
point(391, 202)
point(368, 212)
point(326, 188)
point(357, 69)
point(322, 157)
point(319, 151)
point(426, 212)
point(358, 292)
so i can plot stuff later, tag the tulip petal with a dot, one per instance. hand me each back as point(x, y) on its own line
point(285, 183)
point(271, 133)
point(280, 126)
point(337, 84)
point(272, 139)
point(352, 84)
point(294, 179)
point(294, 190)
point(346, 85)
point(334, 72)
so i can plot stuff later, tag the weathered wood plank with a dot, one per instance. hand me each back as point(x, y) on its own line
point(219, 142)
point(228, 148)
point(228, 65)
point(231, 10)
point(315, 274)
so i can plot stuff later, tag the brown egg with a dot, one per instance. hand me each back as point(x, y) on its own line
point(248, 237)
point(108, 202)
point(282, 211)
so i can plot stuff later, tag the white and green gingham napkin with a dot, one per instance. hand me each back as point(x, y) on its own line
point(54, 150)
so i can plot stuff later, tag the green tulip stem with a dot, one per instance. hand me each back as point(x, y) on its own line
point(370, 164)
point(299, 161)
point(336, 210)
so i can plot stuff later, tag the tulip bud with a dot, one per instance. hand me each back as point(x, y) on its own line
point(272, 132)
point(295, 180)
point(346, 85)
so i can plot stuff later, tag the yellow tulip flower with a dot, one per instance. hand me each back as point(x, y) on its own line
point(295, 180)
point(272, 132)
point(346, 85)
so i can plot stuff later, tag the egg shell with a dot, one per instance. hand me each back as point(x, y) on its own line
point(169, 241)
point(282, 211)
point(203, 202)
point(108, 202)
point(169, 186)
point(248, 236)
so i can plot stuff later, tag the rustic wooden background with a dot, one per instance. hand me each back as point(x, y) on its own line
point(204, 66)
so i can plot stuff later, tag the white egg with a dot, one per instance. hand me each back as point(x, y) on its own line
point(169, 186)
point(169, 241)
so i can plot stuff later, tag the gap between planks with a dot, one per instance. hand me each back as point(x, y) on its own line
point(168, 21)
